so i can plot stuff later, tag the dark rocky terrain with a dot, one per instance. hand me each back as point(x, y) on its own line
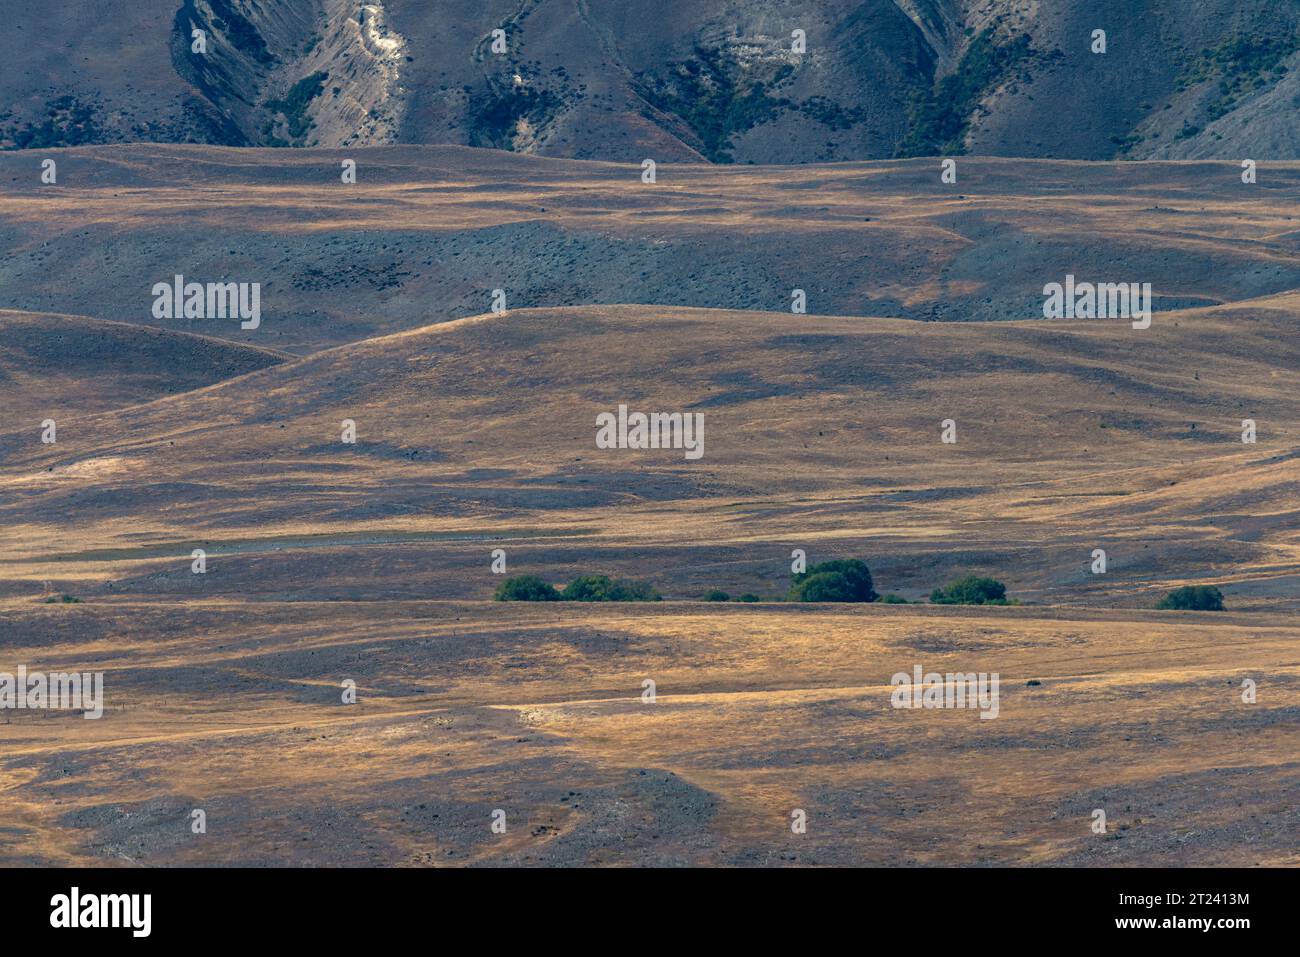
point(673, 80)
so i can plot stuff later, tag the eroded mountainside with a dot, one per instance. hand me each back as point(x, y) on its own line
point(677, 79)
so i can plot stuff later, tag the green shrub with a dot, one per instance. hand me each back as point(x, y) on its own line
point(971, 590)
point(625, 590)
point(716, 594)
point(749, 597)
point(1194, 598)
point(824, 586)
point(589, 588)
point(844, 579)
point(892, 599)
point(604, 588)
point(525, 588)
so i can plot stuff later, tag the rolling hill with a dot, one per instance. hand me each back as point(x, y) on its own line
point(821, 432)
point(66, 366)
point(427, 234)
point(328, 561)
point(465, 708)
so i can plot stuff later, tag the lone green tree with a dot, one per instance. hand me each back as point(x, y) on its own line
point(1194, 598)
point(844, 579)
point(525, 588)
point(971, 590)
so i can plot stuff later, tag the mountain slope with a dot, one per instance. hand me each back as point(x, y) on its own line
point(674, 80)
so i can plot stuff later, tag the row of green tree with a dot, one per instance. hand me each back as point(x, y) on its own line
point(849, 579)
point(839, 580)
point(582, 588)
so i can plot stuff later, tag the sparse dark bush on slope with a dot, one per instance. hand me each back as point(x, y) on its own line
point(1194, 598)
point(941, 116)
point(295, 103)
point(716, 594)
